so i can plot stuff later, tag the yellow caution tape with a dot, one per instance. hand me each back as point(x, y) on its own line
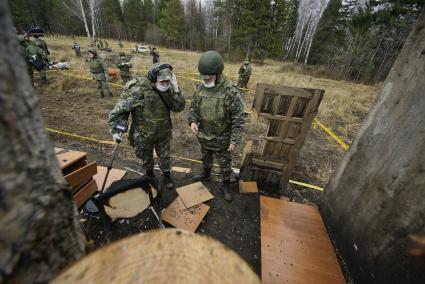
point(89, 79)
point(333, 135)
point(176, 157)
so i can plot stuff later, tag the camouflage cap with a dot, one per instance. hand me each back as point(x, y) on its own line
point(164, 74)
point(122, 53)
point(93, 51)
point(210, 63)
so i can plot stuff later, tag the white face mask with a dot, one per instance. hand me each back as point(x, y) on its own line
point(209, 85)
point(161, 87)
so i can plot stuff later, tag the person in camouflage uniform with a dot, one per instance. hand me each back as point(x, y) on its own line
point(124, 65)
point(41, 43)
point(76, 48)
point(244, 74)
point(22, 41)
point(99, 72)
point(38, 58)
point(149, 100)
point(216, 116)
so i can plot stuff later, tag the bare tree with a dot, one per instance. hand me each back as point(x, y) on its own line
point(94, 6)
point(39, 229)
point(76, 8)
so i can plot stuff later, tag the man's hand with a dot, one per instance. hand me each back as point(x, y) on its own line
point(174, 83)
point(117, 138)
point(231, 147)
point(194, 127)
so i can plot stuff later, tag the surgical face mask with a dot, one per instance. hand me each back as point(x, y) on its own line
point(209, 85)
point(162, 88)
point(122, 57)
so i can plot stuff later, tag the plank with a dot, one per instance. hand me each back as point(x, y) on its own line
point(114, 175)
point(248, 186)
point(193, 194)
point(85, 193)
point(295, 246)
point(68, 158)
point(181, 170)
point(179, 216)
point(81, 175)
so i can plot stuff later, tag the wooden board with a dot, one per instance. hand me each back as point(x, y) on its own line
point(295, 246)
point(81, 175)
point(248, 186)
point(179, 216)
point(85, 193)
point(181, 170)
point(68, 158)
point(193, 194)
point(114, 175)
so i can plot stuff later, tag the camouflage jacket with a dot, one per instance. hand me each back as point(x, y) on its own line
point(219, 113)
point(150, 116)
point(44, 45)
point(98, 69)
point(245, 71)
point(124, 66)
point(36, 56)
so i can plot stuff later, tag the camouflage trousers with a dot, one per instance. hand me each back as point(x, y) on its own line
point(243, 82)
point(144, 151)
point(103, 87)
point(43, 74)
point(224, 160)
point(125, 78)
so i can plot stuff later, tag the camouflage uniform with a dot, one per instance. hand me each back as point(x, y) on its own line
point(38, 58)
point(155, 55)
point(244, 74)
point(76, 48)
point(42, 44)
point(99, 71)
point(124, 65)
point(219, 113)
point(26, 56)
point(151, 122)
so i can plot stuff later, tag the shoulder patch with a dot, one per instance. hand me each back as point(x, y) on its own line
point(130, 83)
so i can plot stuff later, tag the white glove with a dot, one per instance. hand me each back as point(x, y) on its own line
point(174, 84)
point(117, 138)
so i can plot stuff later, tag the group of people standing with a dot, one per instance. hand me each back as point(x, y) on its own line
point(216, 117)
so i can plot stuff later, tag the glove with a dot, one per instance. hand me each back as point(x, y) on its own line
point(174, 84)
point(117, 138)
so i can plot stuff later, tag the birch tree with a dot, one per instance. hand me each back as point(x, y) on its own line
point(76, 8)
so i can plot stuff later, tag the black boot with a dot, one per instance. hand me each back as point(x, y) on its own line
point(102, 95)
point(227, 190)
point(205, 175)
point(169, 184)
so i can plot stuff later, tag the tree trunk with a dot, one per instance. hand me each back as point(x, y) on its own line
point(93, 19)
point(39, 231)
point(375, 200)
point(85, 20)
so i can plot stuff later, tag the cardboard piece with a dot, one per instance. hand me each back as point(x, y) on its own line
point(85, 193)
point(248, 186)
point(194, 194)
point(295, 246)
point(128, 204)
point(181, 170)
point(114, 175)
point(68, 158)
point(179, 216)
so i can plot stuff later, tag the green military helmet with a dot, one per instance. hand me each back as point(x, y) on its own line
point(93, 51)
point(122, 53)
point(210, 63)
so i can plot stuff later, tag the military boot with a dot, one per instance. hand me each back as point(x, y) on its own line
point(169, 184)
point(150, 173)
point(204, 176)
point(110, 94)
point(102, 95)
point(227, 190)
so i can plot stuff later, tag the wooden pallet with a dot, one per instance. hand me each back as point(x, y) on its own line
point(78, 173)
point(295, 246)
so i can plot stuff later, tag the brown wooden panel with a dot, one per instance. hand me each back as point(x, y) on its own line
point(194, 193)
point(295, 246)
point(114, 175)
point(81, 175)
point(85, 193)
point(179, 216)
point(248, 186)
point(68, 158)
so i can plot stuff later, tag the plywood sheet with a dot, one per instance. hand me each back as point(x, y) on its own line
point(179, 216)
point(81, 175)
point(193, 194)
point(248, 186)
point(181, 170)
point(114, 175)
point(68, 158)
point(128, 204)
point(85, 193)
point(295, 246)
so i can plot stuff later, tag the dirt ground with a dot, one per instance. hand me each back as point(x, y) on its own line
point(72, 104)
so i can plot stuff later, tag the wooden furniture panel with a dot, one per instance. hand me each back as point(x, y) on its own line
point(295, 246)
